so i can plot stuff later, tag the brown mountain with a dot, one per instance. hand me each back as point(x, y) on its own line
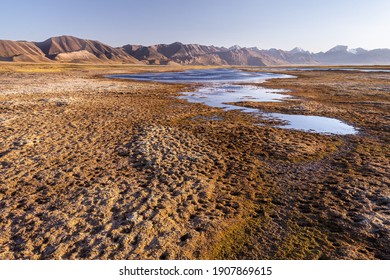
point(76, 50)
point(72, 49)
point(246, 56)
point(177, 53)
point(195, 54)
point(81, 50)
point(21, 51)
point(149, 55)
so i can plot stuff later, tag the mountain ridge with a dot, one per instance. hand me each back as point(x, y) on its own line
point(68, 48)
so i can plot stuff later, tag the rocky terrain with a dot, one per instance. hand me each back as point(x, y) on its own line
point(69, 49)
point(98, 168)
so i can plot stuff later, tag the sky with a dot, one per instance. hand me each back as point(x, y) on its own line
point(312, 25)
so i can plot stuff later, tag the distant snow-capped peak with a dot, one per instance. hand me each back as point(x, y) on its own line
point(341, 48)
point(235, 47)
point(338, 48)
point(298, 50)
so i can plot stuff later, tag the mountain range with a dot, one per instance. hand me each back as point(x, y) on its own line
point(70, 49)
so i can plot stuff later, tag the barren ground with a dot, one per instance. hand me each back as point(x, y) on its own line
point(96, 168)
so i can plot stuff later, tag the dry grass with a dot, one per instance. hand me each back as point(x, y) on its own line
point(93, 168)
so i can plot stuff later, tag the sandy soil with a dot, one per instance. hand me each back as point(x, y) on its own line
point(95, 168)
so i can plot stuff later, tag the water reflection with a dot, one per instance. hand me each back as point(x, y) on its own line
point(222, 86)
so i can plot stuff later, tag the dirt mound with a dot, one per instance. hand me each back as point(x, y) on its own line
point(77, 57)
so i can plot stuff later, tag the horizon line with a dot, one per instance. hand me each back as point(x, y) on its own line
point(212, 45)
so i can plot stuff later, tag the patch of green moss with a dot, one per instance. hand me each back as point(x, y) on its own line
point(242, 241)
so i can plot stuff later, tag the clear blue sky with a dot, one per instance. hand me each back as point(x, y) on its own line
point(316, 25)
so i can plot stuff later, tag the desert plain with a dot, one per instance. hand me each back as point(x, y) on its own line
point(99, 168)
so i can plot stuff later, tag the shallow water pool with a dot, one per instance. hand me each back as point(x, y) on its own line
point(222, 86)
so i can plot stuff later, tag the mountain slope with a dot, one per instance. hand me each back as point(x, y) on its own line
point(195, 54)
point(72, 46)
point(21, 51)
point(148, 55)
point(76, 50)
